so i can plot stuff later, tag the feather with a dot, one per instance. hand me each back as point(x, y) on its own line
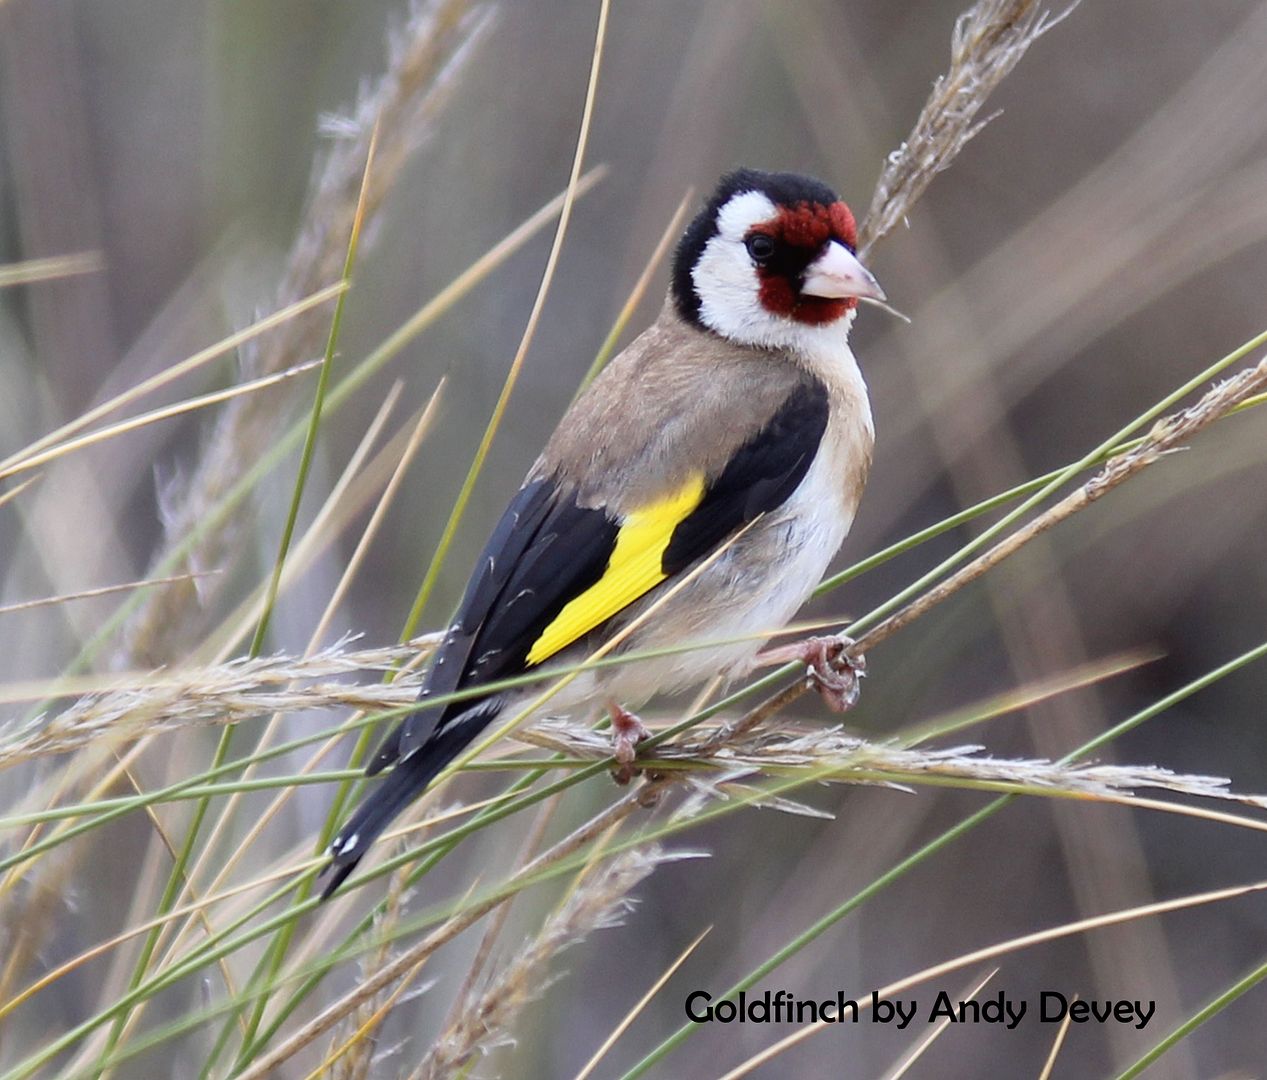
point(636, 565)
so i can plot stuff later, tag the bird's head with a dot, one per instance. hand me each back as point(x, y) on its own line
point(769, 256)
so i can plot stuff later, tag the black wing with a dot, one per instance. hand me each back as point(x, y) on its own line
point(544, 551)
point(758, 479)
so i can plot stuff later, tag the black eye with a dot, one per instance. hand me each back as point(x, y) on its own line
point(760, 247)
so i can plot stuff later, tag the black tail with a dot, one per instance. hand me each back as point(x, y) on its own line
point(403, 784)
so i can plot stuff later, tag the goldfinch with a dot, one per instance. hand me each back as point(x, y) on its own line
point(738, 423)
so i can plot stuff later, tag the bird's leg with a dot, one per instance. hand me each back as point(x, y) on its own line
point(627, 732)
point(829, 667)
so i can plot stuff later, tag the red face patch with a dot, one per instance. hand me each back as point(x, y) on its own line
point(810, 225)
point(780, 297)
point(802, 230)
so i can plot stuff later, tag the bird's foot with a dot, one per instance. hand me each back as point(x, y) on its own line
point(829, 667)
point(627, 732)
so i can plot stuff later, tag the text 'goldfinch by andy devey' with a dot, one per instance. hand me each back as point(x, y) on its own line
point(781, 1007)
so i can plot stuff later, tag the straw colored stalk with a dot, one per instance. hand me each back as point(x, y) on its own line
point(426, 58)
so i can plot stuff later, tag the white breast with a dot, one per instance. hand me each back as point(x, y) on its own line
point(760, 583)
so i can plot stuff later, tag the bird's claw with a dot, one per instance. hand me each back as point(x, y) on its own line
point(833, 671)
point(830, 668)
point(627, 732)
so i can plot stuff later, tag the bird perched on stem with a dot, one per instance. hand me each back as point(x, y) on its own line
point(724, 451)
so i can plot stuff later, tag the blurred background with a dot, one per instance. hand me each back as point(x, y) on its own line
point(1100, 242)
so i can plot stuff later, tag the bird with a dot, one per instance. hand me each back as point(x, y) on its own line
point(694, 492)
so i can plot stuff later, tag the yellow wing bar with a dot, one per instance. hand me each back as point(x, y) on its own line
point(633, 569)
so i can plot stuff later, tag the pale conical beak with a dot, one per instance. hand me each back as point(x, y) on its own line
point(837, 273)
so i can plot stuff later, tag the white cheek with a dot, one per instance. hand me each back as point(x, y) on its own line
point(727, 285)
point(725, 278)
